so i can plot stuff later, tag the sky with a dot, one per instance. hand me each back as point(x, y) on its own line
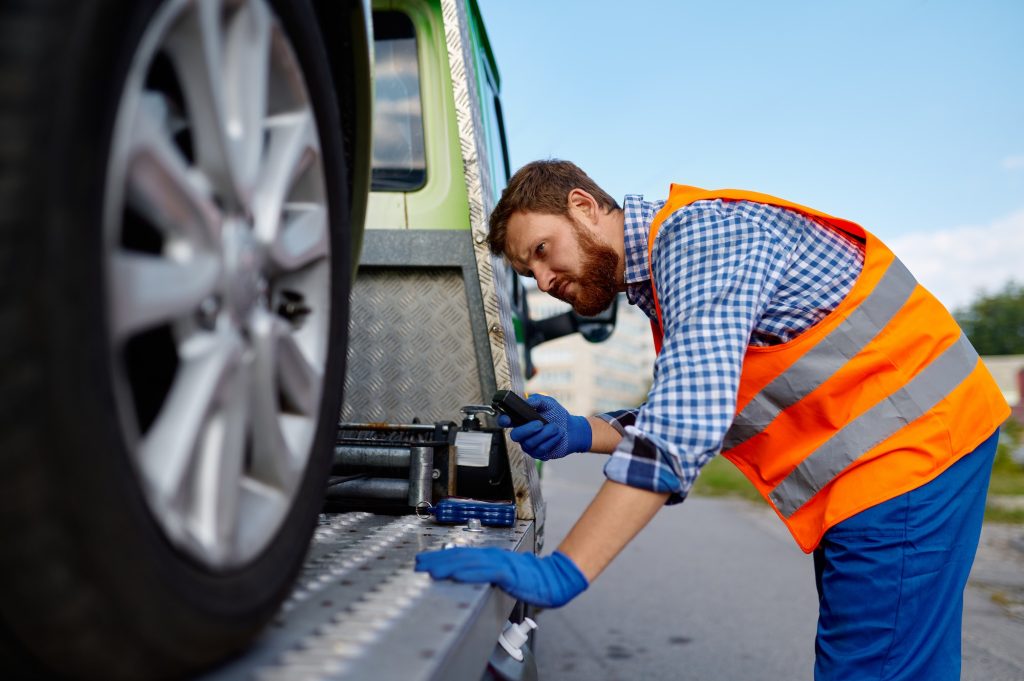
point(904, 116)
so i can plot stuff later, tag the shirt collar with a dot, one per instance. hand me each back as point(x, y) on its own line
point(638, 215)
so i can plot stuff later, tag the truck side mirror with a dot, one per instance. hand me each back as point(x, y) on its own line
point(597, 328)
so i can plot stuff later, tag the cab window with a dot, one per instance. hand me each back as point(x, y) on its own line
point(497, 146)
point(399, 162)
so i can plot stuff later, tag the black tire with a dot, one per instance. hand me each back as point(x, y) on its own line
point(90, 586)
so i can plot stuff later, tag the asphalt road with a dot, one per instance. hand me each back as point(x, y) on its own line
point(716, 590)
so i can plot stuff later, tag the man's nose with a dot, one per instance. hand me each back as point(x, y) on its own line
point(545, 279)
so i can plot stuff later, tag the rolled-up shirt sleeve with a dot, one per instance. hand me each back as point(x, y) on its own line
point(620, 419)
point(715, 271)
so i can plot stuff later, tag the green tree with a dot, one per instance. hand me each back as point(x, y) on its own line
point(995, 322)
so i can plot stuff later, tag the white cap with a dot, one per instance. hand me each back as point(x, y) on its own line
point(514, 636)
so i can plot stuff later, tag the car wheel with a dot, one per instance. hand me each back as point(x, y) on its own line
point(175, 245)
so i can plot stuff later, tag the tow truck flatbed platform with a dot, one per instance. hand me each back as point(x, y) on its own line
point(360, 612)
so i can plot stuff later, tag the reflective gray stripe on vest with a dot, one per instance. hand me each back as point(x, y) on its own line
point(885, 419)
point(827, 357)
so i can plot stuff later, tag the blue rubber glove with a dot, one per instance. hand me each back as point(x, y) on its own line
point(550, 582)
point(562, 435)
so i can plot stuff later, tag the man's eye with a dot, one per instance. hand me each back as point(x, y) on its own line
point(541, 247)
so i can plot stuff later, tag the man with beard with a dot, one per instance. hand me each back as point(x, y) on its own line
point(798, 346)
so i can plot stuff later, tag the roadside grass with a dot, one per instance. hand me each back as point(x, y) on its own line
point(1007, 476)
point(719, 478)
point(997, 514)
point(1006, 491)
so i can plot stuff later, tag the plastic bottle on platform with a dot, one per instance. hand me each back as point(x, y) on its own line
point(512, 659)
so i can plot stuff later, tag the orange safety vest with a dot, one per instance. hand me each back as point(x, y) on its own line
point(874, 400)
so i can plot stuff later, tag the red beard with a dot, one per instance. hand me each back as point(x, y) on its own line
point(596, 286)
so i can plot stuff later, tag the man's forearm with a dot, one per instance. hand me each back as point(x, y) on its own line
point(605, 437)
point(614, 517)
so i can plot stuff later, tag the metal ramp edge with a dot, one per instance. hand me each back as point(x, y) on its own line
point(359, 611)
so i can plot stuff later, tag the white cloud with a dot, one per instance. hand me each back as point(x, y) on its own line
point(1013, 162)
point(957, 264)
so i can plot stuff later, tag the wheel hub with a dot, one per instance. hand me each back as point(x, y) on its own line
point(245, 284)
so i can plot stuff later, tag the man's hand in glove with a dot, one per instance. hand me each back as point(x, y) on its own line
point(549, 582)
point(563, 434)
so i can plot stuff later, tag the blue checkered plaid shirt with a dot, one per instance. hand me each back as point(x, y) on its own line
point(729, 274)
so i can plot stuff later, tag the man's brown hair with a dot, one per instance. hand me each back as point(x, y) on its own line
point(541, 187)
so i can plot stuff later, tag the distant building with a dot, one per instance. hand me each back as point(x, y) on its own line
point(590, 378)
point(1008, 370)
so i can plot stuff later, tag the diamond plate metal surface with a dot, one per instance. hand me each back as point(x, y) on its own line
point(360, 613)
point(410, 347)
point(507, 372)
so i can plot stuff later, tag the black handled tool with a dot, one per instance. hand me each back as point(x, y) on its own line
point(515, 407)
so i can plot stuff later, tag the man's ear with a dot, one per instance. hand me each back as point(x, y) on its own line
point(583, 206)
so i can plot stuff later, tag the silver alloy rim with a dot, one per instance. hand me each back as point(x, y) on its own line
point(217, 257)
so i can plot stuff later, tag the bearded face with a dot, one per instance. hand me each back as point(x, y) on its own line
point(595, 286)
point(566, 257)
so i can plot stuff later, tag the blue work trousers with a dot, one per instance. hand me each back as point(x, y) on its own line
point(891, 580)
